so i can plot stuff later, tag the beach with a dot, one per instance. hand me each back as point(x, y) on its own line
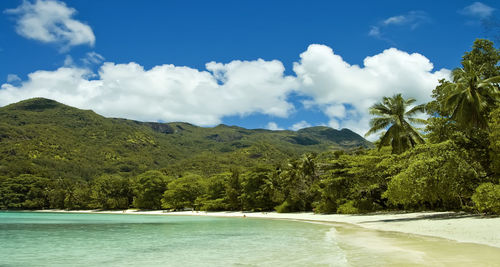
point(460, 227)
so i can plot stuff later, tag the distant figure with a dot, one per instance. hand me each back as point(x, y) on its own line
point(244, 216)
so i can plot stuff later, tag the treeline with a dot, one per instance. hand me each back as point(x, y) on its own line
point(439, 176)
point(451, 163)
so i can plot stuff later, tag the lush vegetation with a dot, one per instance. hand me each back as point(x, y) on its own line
point(54, 156)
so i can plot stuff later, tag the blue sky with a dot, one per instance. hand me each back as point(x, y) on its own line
point(255, 64)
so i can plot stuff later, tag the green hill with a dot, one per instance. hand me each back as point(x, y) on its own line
point(44, 137)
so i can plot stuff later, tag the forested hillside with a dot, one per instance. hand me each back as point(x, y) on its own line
point(43, 137)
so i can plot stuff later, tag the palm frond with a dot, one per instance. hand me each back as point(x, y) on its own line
point(494, 79)
point(416, 109)
point(379, 109)
point(410, 101)
point(417, 121)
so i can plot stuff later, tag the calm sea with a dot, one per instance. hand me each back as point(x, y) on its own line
point(68, 239)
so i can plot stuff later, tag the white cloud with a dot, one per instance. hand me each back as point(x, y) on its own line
point(256, 86)
point(68, 61)
point(335, 111)
point(165, 92)
point(334, 123)
point(300, 125)
point(345, 92)
point(50, 21)
point(477, 9)
point(273, 126)
point(396, 20)
point(412, 20)
point(11, 78)
point(374, 31)
point(92, 58)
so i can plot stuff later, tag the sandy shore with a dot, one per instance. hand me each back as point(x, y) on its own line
point(461, 227)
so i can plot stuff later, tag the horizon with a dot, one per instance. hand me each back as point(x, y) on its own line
point(258, 65)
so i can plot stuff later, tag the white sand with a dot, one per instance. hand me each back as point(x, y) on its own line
point(461, 227)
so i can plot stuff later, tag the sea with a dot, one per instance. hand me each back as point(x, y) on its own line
point(88, 239)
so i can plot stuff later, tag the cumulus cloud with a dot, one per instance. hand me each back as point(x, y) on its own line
point(257, 86)
point(300, 125)
point(345, 92)
point(165, 92)
point(273, 126)
point(477, 9)
point(50, 21)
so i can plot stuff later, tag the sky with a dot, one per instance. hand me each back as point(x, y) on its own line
point(255, 64)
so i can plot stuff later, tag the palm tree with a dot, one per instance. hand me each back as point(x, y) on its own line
point(471, 95)
point(392, 113)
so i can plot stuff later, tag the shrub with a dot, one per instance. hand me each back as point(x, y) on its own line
point(283, 207)
point(211, 204)
point(487, 198)
point(348, 208)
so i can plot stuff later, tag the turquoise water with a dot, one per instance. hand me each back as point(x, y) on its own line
point(148, 240)
point(70, 239)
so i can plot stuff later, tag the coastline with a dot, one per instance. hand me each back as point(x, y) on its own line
point(460, 227)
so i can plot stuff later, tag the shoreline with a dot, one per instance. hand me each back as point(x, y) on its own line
point(460, 227)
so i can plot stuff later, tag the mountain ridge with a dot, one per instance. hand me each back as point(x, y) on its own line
point(43, 135)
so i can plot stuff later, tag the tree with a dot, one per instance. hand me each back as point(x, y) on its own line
point(148, 189)
point(494, 136)
point(233, 190)
point(79, 197)
point(26, 191)
point(472, 95)
point(58, 191)
point(457, 98)
point(353, 183)
point(110, 192)
point(256, 192)
point(434, 176)
point(392, 113)
point(214, 195)
point(484, 52)
point(182, 192)
point(483, 58)
point(297, 184)
point(439, 127)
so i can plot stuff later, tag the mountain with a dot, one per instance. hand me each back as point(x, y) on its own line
point(44, 137)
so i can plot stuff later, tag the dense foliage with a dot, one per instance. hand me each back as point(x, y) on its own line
point(54, 156)
point(49, 139)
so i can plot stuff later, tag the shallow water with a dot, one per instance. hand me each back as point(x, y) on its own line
point(68, 239)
